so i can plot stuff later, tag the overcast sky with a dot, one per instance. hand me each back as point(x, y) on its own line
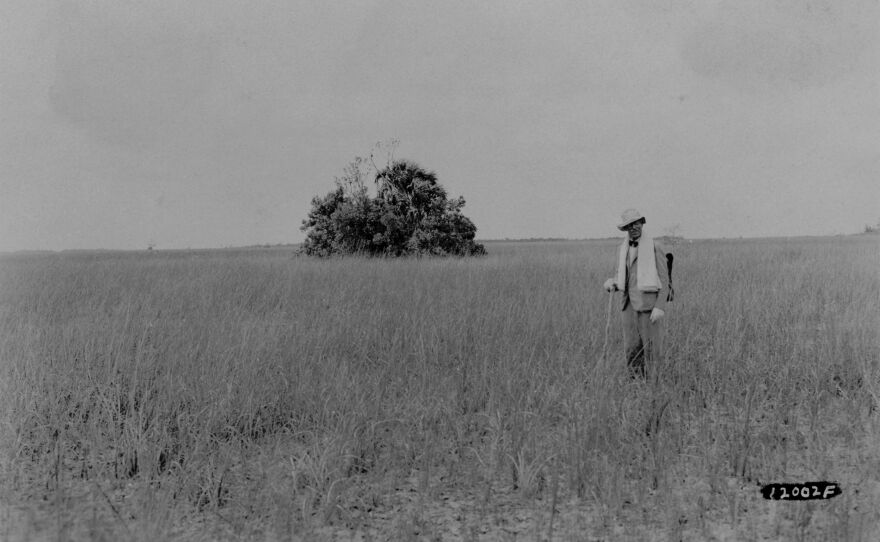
point(211, 123)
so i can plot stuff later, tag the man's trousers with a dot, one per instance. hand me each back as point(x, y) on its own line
point(641, 340)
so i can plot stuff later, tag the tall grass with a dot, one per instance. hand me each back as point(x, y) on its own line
point(255, 394)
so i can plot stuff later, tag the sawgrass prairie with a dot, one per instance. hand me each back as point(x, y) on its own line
point(251, 394)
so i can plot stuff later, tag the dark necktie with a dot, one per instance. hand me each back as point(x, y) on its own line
point(633, 243)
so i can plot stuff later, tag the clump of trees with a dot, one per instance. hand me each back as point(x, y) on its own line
point(410, 214)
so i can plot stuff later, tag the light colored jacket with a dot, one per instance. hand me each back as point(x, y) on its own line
point(646, 301)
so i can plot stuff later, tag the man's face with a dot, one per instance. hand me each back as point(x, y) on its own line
point(634, 230)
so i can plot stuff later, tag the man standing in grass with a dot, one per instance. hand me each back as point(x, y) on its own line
point(646, 286)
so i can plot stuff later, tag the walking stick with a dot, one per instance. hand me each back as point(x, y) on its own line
point(601, 362)
point(607, 324)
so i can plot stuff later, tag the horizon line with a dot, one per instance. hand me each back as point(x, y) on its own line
point(492, 240)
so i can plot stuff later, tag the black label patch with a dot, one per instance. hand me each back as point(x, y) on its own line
point(801, 492)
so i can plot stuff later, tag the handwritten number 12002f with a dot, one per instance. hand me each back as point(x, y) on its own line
point(807, 491)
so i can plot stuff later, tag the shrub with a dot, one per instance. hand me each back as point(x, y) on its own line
point(410, 215)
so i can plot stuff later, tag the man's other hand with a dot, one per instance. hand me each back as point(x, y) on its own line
point(610, 286)
point(656, 314)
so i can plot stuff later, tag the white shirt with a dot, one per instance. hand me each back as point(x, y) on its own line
point(631, 254)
